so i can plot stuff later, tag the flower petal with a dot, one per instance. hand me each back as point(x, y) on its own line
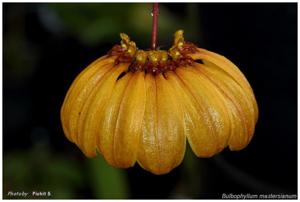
point(149, 147)
point(196, 118)
point(129, 123)
point(79, 91)
point(162, 145)
point(107, 118)
point(218, 61)
point(87, 120)
point(211, 99)
point(239, 103)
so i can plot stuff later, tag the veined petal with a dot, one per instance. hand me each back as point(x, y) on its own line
point(162, 145)
point(129, 123)
point(149, 154)
point(239, 104)
point(211, 99)
point(107, 118)
point(87, 120)
point(79, 91)
point(218, 61)
point(198, 130)
point(170, 128)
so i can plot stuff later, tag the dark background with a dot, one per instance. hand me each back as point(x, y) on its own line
point(46, 45)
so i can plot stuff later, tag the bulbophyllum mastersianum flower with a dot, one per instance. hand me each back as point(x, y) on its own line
point(140, 106)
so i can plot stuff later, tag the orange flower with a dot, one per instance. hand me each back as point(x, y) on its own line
point(140, 106)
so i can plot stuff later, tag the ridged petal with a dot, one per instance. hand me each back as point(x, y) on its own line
point(162, 150)
point(79, 91)
point(87, 120)
point(129, 123)
point(210, 99)
point(198, 128)
point(149, 148)
point(239, 103)
point(218, 61)
point(107, 119)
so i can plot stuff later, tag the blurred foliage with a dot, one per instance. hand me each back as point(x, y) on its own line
point(192, 172)
point(95, 23)
point(41, 170)
point(107, 182)
point(17, 50)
